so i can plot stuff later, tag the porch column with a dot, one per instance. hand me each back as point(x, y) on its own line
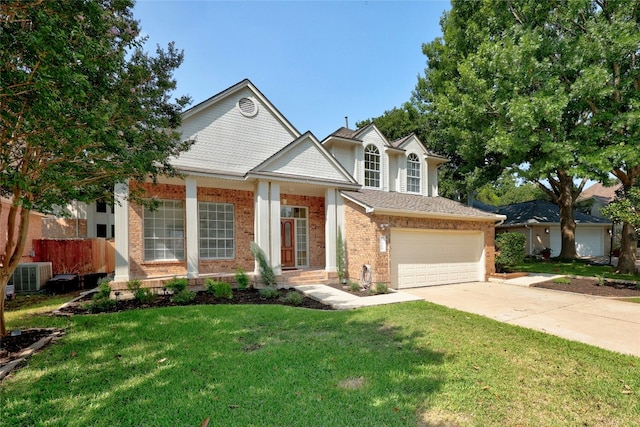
point(274, 209)
point(191, 222)
point(121, 212)
point(261, 220)
point(330, 230)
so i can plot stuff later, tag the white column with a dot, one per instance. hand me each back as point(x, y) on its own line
point(275, 255)
point(191, 222)
point(121, 212)
point(330, 229)
point(261, 219)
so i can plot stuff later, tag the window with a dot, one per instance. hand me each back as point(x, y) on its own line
point(101, 206)
point(413, 173)
point(101, 230)
point(371, 166)
point(164, 231)
point(216, 230)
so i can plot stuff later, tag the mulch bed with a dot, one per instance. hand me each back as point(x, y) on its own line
point(247, 296)
point(591, 287)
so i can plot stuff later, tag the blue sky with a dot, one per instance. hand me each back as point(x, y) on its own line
point(317, 62)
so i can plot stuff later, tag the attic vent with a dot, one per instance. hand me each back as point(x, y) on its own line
point(247, 107)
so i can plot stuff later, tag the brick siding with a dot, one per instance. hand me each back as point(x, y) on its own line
point(363, 232)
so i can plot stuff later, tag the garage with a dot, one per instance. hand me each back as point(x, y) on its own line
point(589, 241)
point(435, 257)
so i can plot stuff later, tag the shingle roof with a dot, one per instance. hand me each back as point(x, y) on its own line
point(343, 132)
point(600, 192)
point(539, 211)
point(414, 204)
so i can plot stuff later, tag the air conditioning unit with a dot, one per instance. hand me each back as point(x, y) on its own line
point(31, 276)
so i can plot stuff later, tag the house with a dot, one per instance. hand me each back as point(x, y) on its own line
point(539, 221)
point(251, 176)
point(79, 220)
point(35, 230)
point(595, 197)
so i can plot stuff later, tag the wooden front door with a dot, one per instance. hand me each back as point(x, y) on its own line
point(287, 242)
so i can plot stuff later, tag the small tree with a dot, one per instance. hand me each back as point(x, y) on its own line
point(266, 271)
point(83, 106)
point(510, 250)
point(626, 209)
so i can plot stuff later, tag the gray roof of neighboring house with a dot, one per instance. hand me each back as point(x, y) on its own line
point(400, 203)
point(542, 212)
point(484, 206)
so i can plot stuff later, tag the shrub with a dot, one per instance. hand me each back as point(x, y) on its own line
point(562, 280)
point(379, 288)
point(340, 257)
point(266, 271)
point(104, 288)
point(353, 286)
point(99, 305)
point(601, 280)
point(184, 296)
point(293, 298)
point(140, 294)
point(177, 285)
point(102, 301)
point(218, 289)
point(269, 292)
point(509, 249)
point(242, 279)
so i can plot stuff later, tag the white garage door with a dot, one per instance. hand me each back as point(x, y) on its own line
point(426, 258)
point(589, 241)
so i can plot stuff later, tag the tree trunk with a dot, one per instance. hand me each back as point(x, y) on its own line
point(628, 245)
point(17, 231)
point(567, 223)
point(4, 280)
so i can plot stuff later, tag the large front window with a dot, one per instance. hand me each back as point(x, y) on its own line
point(164, 231)
point(216, 230)
point(413, 173)
point(371, 167)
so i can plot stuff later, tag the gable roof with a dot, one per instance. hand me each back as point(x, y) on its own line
point(598, 191)
point(246, 83)
point(542, 212)
point(305, 160)
point(391, 203)
point(405, 140)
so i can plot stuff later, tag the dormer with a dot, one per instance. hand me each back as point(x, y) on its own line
point(403, 166)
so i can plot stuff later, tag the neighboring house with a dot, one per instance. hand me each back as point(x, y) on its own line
point(80, 221)
point(251, 176)
point(594, 198)
point(539, 221)
point(35, 231)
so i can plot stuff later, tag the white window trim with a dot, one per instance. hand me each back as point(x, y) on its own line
point(419, 173)
point(145, 238)
point(233, 239)
point(379, 162)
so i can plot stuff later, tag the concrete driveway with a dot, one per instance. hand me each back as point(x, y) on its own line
point(606, 323)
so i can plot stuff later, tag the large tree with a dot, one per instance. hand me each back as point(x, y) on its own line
point(533, 85)
point(82, 106)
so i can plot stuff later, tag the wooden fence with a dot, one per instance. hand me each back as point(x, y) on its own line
point(82, 256)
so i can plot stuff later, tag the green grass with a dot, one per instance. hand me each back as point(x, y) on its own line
point(401, 364)
point(636, 300)
point(571, 267)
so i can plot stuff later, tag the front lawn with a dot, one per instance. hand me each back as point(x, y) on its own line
point(402, 364)
point(576, 267)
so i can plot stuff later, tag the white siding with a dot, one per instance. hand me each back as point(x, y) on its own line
point(230, 141)
point(305, 160)
point(347, 158)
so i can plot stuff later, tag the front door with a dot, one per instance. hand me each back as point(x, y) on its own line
point(287, 243)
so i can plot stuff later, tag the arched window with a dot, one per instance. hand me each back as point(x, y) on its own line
point(413, 173)
point(371, 166)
